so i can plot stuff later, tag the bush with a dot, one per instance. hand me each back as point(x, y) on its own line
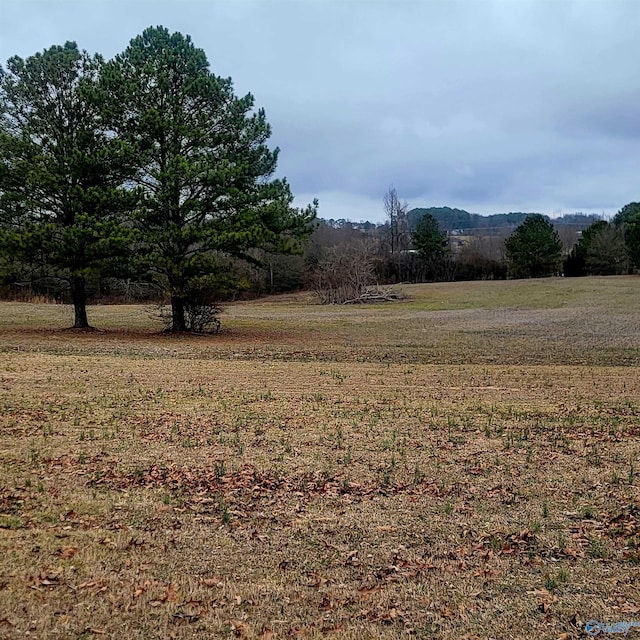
point(344, 273)
point(200, 318)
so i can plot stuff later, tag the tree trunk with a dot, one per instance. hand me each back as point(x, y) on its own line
point(178, 322)
point(79, 298)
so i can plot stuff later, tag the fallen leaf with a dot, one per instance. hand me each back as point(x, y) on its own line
point(334, 629)
point(365, 593)
point(630, 608)
point(212, 582)
point(86, 585)
point(239, 628)
point(172, 592)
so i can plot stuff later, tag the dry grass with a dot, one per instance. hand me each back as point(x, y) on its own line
point(461, 464)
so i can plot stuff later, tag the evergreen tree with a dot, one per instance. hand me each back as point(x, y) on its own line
point(534, 250)
point(629, 219)
point(600, 251)
point(203, 164)
point(432, 246)
point(606, 255)
point(61, 204)
point(576, 262)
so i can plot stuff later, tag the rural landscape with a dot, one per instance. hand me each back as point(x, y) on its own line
point(461, 463)
point(222, 416)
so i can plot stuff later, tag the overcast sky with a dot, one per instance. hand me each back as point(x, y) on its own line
point(486, 105)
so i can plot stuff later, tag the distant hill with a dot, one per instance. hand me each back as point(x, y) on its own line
point(451, 219)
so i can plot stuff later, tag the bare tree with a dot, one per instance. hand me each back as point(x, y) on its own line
point(345, 272)
point(569, 235)
point(396, 211)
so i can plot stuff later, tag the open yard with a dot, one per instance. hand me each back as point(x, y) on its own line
point(461, 464)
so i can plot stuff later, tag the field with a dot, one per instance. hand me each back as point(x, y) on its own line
point(460, 464)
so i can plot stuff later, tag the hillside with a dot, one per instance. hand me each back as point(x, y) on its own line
point(450, 219)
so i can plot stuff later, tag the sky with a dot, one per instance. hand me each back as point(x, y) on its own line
point(485, 105)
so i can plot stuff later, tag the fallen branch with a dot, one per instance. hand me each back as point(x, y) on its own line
point(375, 296)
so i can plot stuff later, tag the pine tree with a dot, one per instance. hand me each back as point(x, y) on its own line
point(432, 246)
point(534, 250)
point(203, 165)
point(628, 218)
point(61, 201)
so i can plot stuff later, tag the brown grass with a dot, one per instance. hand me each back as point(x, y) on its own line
point(423, 469)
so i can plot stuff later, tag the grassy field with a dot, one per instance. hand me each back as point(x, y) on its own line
point(460, 464)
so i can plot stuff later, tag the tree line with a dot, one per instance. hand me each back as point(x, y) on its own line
point(416, 248)
point(144, 167)
point(145, 176)
point(458, 219)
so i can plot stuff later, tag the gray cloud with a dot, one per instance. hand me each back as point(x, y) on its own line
point(487, 105)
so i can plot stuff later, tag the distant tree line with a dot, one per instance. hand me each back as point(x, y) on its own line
point(422, 245)
point(458, 219)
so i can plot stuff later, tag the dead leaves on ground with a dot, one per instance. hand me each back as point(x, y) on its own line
point(201, 487)
point(625, 524)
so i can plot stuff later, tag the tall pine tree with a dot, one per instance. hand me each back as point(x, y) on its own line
point(61, 170)
point(203, 164)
